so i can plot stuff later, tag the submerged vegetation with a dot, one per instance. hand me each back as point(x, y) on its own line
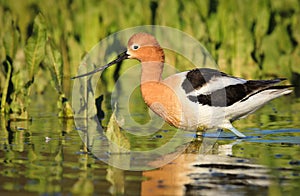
point(43, 42)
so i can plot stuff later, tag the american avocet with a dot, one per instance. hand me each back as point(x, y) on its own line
point(200, 98)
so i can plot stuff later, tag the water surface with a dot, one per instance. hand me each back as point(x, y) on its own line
point(46, 156)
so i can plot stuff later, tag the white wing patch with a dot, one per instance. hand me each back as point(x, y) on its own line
point(216, 83)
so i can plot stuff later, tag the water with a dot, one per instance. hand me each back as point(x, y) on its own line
point(46, 156)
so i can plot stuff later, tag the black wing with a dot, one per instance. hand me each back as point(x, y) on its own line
point(230, 93)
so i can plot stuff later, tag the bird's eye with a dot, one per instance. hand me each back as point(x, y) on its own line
point(135, 46)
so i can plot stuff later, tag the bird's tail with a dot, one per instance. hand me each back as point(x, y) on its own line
point(279, 90)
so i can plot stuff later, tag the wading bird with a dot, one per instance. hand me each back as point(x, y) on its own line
point(200, 98)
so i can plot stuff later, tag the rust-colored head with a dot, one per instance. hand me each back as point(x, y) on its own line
point(141, 46)
point(145, 48)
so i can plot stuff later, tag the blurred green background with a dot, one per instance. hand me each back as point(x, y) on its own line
point(42, 42)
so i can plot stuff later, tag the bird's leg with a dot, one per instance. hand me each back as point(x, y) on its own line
point(200, 131)
point(234, 130)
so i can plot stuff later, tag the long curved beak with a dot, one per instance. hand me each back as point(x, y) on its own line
point(120, 58)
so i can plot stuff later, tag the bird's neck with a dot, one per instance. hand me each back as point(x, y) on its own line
point(151, 72)
point(159, 96)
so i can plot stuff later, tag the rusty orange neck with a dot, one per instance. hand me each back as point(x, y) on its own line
point(158, 96)
point(161, 98)
point(151, 71)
